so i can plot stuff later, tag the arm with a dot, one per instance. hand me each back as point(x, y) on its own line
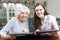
point(6, 28)
point(54, 26)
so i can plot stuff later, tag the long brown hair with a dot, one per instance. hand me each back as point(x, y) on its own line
point(37, 20)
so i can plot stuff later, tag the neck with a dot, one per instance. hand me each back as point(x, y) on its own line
point(20, 20)
point(42, 18)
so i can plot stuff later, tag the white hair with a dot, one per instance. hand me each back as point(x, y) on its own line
point(21, 8)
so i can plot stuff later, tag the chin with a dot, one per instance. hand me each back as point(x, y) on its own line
point(39, 16)
point(24, 19)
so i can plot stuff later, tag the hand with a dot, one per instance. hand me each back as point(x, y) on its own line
point(5, 36)
point(25, 31)
point(37, 30)
point(58, 34)
point(55, 34)
point(12, 36)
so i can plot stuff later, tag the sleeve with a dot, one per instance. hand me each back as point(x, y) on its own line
point(54, 24)
point(7, 27)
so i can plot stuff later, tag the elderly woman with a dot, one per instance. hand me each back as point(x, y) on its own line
point(18, 24)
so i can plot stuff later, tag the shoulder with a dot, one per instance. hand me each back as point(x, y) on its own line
point(50, 17)
point(12, 19)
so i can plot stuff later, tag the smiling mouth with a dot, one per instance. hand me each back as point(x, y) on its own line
point(23, 17)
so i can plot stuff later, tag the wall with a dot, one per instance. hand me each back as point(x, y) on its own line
point(53, 7)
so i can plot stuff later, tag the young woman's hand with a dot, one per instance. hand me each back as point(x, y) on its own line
point(55, 34)
point(37, 30)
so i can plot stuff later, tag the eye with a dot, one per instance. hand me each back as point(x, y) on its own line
point(40, 9)
point(26, 13)
point(22, 12)
point(36, 10)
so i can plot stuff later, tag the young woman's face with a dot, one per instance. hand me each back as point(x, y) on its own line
point(23, 16)
point(39, 11)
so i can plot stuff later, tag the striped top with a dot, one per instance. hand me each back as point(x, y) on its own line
point(15, 26)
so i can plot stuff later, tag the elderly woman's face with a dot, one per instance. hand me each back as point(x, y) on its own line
point(39, 11)
point(23, 16)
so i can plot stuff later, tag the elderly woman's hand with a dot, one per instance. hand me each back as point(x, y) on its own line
point(25, 30)
point(8, 37)
point(5, 36)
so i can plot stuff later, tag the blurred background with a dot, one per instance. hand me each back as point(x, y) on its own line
point(7, 8)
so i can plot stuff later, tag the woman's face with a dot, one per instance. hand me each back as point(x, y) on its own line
point(39, 11)
point(23, 16)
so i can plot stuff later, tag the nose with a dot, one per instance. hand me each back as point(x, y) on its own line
point(24, 14)
point(39, 11)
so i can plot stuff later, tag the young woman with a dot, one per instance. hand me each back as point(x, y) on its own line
point(18, 24)
point(43, 21)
